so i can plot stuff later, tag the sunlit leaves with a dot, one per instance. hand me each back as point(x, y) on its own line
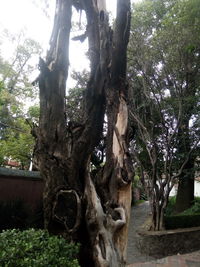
point(16, 94)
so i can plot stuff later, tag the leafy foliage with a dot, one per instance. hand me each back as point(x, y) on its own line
point(194, 209)
point(182, 221)
point(170, 206)
point(75, 96)
point(36, 248)
point(16, 142)
point(164, 78)
point(188, 218)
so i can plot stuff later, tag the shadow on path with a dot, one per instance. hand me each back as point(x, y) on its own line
point(139, 214)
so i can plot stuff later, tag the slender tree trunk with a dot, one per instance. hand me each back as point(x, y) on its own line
point(157, 209)
point(157, 220)
point(158, 199)
point(93, 211)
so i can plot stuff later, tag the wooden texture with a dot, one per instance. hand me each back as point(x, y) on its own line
point(99, 212)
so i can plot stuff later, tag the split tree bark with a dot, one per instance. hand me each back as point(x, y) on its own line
point(76, 205)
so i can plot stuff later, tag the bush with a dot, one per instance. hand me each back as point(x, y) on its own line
point(182, 221)
point(170, 206)
point(194, 209)
point(185, 219)
point(36, 248)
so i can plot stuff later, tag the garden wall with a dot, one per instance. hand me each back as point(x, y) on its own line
point(21, 185)
point(164, 243)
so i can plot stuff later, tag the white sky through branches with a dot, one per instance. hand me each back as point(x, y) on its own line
point(31, 17)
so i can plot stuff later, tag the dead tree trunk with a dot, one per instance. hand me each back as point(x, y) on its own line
point(93, 211)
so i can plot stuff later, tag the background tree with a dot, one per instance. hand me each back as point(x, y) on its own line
point(75, 110)
point(75, 96)
point(159, 80)
point(17, 145)
point(101, 204)
point(183, 60)
point(16, 141)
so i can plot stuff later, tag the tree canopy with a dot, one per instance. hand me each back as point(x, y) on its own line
point(164, 77)
point(16, 95)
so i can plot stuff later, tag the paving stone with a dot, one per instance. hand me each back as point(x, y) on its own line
point(136, 259)
point(185, 260)
point(139, 215)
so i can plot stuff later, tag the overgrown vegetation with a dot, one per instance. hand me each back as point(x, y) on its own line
point(194, 209)
point(182, 221)
point(187, 218)
point(36, 248)
point(164, 99)
point(16, 90)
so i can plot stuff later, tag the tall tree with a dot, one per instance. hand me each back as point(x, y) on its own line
point(183, 60)
point(16, 141)
point(165, 99)
point(91, 210)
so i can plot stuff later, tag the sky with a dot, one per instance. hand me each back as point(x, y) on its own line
point(32, 17)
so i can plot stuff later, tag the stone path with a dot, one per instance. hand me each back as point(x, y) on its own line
point(136, 259)
point(186, 260)
point(139, 214)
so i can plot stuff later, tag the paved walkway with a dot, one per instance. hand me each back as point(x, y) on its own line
point(136, 259)
point(139, 215)
point(185, 260)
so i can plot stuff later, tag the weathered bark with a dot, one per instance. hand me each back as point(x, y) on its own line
point(114, 186)
point(158, 201)
point(51, 146)
point(117, 113)
point(95, 211)
point(185, 193)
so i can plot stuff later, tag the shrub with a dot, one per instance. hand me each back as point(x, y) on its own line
point(170, 206)
point(185, 219)
point(194, 209)
point(36, 248)
point(182, 221)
